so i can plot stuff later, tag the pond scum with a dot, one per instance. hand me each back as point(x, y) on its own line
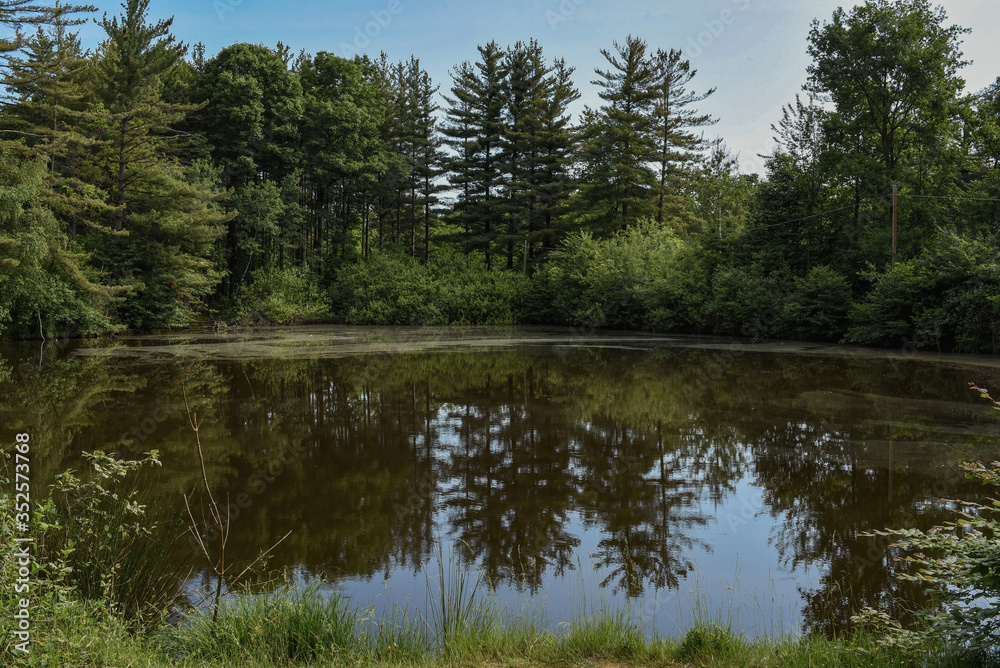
point(98, 597)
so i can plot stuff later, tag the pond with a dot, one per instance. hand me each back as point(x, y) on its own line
point(677, 477)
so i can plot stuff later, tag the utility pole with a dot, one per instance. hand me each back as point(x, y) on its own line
point(895, 211)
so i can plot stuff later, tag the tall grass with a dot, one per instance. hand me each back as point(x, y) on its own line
point(297, 625)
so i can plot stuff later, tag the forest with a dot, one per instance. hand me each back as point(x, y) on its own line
point(146, 184)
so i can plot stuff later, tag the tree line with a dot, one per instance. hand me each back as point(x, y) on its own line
point(149, 185)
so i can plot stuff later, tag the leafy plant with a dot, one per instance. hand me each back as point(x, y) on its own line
point(96, 531)
point(960, 562)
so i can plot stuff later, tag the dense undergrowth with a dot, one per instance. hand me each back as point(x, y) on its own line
point(646, 278)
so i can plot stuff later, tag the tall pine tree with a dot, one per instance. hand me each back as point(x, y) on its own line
point(164, 218)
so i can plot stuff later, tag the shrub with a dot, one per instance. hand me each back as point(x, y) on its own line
point(960, 563)
point(629, 281)
point(818, 305)
point(282, 297)
point(948, 296)
point(393, 289)
point(97, 532)
point(744, 302)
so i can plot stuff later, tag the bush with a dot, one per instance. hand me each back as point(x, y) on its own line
point(641, 278)
point(817, 307)
point(393, 289)
point(744, 302)
point(282, 297)
point(960, 563)
point(947, 297)
point(98, 533)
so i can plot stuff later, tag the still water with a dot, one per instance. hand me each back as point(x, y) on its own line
point(676, 477)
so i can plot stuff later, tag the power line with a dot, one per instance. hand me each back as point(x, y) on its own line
point(815, 215)
point(851, 206)
point(966, 199)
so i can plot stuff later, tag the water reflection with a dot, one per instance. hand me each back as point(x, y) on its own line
point(524, 456)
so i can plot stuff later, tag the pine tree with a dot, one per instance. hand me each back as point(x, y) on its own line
point(525, 94)
point(619, 141)
point(47, 287)
point(553, 180)
point(427, 142)
point(51, 109)
point(389, 185)
point(163, 217)
point(18, 15)
point(475, 133)
point(678, 148)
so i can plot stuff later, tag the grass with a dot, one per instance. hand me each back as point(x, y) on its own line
point(315, 626)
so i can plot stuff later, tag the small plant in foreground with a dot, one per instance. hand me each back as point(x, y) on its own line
point(95, 531)
point(960, 561)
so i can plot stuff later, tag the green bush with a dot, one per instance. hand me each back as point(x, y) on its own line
point(947, 297)
point(394, 289)
point(960, 563)
point(282, 297)
point(745, 302)
point(818, 306)
point(96, 531)
point(641, 278)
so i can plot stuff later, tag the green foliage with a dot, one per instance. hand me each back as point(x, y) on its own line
point(288, 297)
point(960, 563)
point(639, 278)
point(817, 307)
point(104, 540)
point(744, 302)
point(393, 289)
point(947, 297)
point(46, 289)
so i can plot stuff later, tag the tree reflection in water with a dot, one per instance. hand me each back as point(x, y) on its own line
point(516, 454)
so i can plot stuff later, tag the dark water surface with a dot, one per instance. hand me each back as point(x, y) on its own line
point(675, 476)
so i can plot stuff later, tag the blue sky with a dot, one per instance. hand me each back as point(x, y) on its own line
point(752, 51)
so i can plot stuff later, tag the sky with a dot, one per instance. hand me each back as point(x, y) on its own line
point(752, 51)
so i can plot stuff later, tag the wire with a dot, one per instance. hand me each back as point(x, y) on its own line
point(815, 215)
point(966, 199)
point(851, 206)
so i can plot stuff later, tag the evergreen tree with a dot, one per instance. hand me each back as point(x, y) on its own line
point(18, 15)
point(163, 218)
point(388, 192)
point(427, 157)
point(475, 133)
point(52, 111)
point(47, 287)
point(556, 146)
point(619, 141)
point(678, 148)
point(524, 94)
